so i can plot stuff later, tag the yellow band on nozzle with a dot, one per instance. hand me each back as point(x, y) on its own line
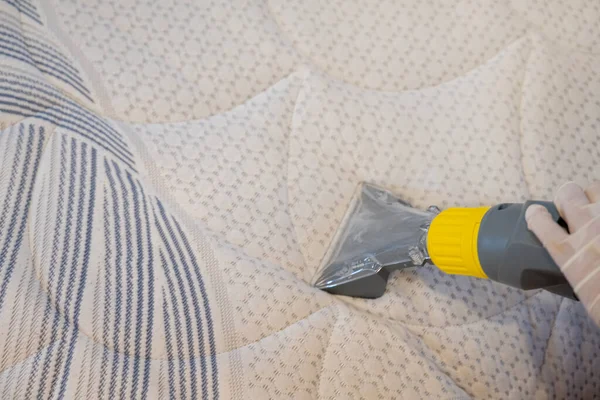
point(452, 241)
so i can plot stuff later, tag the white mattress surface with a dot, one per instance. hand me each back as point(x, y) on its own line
point(172, 175)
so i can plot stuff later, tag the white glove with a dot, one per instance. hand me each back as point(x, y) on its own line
point(577, 253)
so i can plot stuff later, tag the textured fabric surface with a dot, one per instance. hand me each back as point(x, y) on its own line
point(172, 175)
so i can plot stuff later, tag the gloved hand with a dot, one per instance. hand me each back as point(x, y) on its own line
point(577, 253)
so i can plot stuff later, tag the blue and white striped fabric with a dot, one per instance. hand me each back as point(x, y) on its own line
point(81, 224)
point(26, 96)
point(32, 46)
point(26, 8)
point(101, 286)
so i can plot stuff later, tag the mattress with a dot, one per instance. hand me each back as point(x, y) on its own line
point(172, 175)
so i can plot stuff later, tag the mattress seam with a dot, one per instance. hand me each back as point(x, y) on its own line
point(437, 362)
point(528, 184)
point(279, 330)
point(550, 335)
point(326, 353)
point(315, 65)
point(231, 337)
point(105, 347)
point(292, 122)
point(297, 69)
point(308, 63)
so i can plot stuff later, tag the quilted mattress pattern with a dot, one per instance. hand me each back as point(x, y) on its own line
point(172, 174)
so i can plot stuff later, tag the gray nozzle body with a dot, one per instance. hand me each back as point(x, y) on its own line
point(510, 253)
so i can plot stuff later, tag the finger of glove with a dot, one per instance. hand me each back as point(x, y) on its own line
point(570, 200)
point(553, 236)
point(593, 192)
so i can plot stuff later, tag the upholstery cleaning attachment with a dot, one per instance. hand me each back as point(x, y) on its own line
point(382, 233)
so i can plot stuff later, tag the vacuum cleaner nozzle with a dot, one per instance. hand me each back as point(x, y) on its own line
point(380, 233)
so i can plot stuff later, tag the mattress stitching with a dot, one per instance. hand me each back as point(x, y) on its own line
point(447, 373)
point(322, 370)
point(231, 336)
point(431, 357)
point(295, 71)
point(305, 76)
point(308, 63)
point(335, 306)
point(84, 336)
point(547, 346)
point(316, 66)
point(528, 184)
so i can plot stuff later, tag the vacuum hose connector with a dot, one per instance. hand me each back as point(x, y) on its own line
point(452, 241)
point(495, 243)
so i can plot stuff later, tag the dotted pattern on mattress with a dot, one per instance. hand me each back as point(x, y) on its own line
point(172, 175)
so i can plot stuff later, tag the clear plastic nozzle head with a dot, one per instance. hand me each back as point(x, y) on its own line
point(379, 231)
